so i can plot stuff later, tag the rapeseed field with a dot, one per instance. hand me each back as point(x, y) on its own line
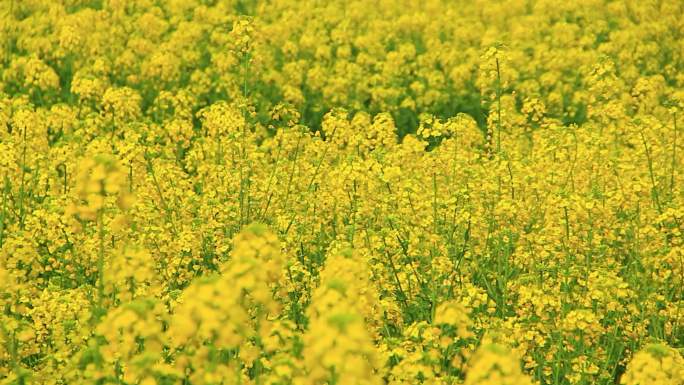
point(341, 192)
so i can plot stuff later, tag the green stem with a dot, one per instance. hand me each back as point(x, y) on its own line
point(167, 210)
point(498, 101)
point(311, 182)
point(3, 215)
point(21, 188)
point(654, 189)
point(100, 261)
point(674, 156)
point(434, 200)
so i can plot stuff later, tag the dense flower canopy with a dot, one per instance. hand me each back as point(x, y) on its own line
point(342, 192)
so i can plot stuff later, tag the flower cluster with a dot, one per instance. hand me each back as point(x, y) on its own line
point(297, 192)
